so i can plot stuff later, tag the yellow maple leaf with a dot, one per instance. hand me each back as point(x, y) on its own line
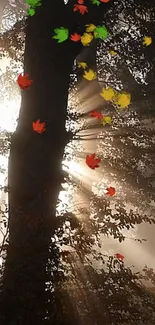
point(147, 40)
point(90, 74)
point(108, 94)
point(90, 27)
point(106, 120)
point(86, 39)
point(82, 65)
point(122, 100)
point(112, 52)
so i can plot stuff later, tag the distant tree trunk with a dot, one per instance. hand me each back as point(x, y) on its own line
point(35, 163)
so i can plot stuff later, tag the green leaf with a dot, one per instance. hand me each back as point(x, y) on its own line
point(100, 32)
point(61, 34)
point(96, 2)
point(34, 3)
point(31, 12)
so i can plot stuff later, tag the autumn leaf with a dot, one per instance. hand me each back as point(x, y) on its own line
point(81, 8)
point(75, 37)
point(147, 40)
point(23, 81)
point(61, 34)
point(96, 114)
point(100, 32)
point(120, 256)
point(90, 75)
point(86, 39)
point(105, 1)
point(38, 126)
point(90, 28)
point(95, 2)
point(81, 2)
point(122, 100)
point(112, 52)
point(110, 191)
point(82, 65)
point(92, 162)
point(106, 120)
point(108, 93)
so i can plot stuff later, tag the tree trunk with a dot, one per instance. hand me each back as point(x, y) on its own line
point(35, 161)
point(35, 168)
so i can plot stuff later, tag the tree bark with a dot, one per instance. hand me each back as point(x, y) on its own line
point(35, 169)
point(35, 163)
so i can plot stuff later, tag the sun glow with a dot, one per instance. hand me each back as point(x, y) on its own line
point(73, 167)
point(9, 113)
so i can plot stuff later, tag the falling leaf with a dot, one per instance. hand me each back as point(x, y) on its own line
point(147, 40)
point(75, 37)
point(105, 1)
point(30, 12)
point(82, 65)
point(120, 256)
point(122, 100)
point(34, 3)
point(96, 114)
point(112, 52)
point(61, 34)
point(110, 191)
point(90, 75)
point(100, 32)
point(38, 126)
point(106, 120)
point(81, 8)
point(86, 39)
point(108, 93)
point(23, 81)
point(90, 27)
point(95, 2)
point(92, 162)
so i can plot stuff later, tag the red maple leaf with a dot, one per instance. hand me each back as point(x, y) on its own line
point(75, 37)
point(92, 162)
point(105, 1)
point(81, 2)
point(23, 81)
point(81, 8)
point(110, 191)
point(38, 126)
point(96, 114)
point(118, 255)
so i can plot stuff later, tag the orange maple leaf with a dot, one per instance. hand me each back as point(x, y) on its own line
point(23, 81)
point(120, 256)
point(81, 8)
point(96, 114)
point(105, 1)
point(92, 162)
point(38, 126)
point(110, 190)
point(81, 2)
point(75, 37)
